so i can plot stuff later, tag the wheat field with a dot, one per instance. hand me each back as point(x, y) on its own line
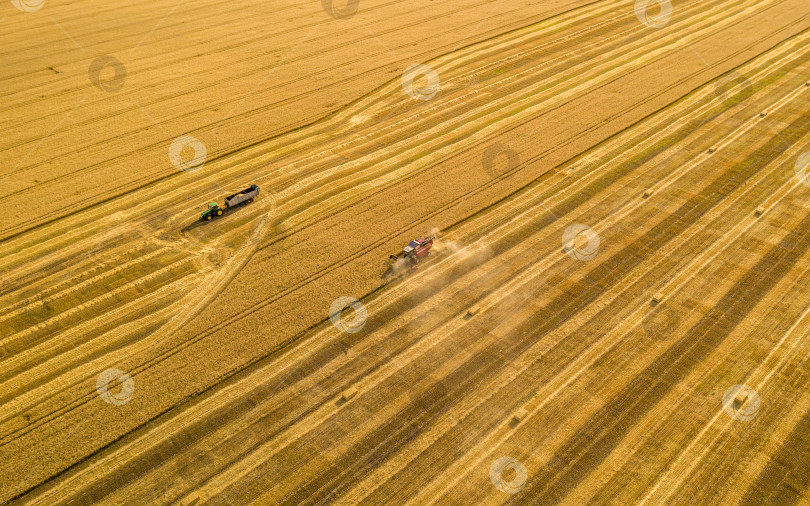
point(614, 311)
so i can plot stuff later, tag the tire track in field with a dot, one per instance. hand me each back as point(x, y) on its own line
point(376, 243)
point(759, 384)
point(534, 106)
point(320, 273)
point(521, 275)
point(190, 306)
point(238, 147)
point(786, 478)
point(602, 432)
point(397, 339)
point(458, 470)
point(150, 179)
point(483, 187)
point(212, 158)
point(70, 286)
point(465, 379)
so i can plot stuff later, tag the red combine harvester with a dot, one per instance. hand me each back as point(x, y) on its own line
point(411, 255)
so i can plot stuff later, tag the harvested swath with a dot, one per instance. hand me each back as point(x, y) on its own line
point(505, 345)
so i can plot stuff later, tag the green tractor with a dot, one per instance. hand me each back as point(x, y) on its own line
point(242, 198)
point(213, 210)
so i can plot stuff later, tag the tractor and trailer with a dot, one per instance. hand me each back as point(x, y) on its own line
point(242, 198)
